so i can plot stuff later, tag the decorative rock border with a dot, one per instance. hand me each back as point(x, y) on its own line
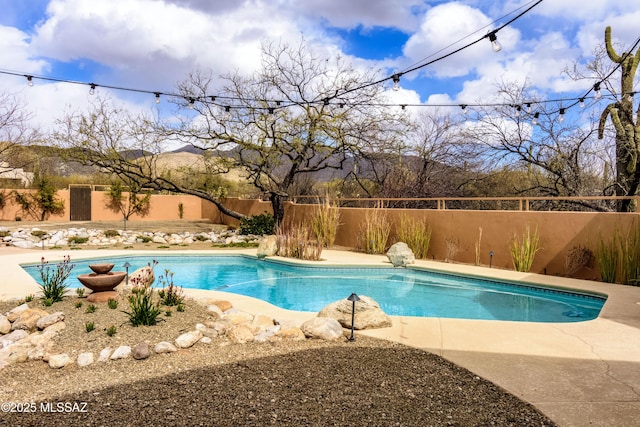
point(31, 332)
point(24, 239)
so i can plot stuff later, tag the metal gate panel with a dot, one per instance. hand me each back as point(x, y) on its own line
point(80, 203)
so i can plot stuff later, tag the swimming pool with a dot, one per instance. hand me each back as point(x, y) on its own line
point(401, 292)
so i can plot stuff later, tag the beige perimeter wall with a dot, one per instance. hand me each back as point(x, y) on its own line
point(559, 231)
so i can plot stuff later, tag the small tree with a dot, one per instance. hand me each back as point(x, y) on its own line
point(41, 203)
point(131, 203)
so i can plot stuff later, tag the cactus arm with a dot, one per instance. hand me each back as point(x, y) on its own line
point(617, 123)
point(610, 50)
point(603, 120)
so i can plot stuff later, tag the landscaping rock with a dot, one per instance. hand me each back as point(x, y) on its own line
point(261, 322)
point(368, 314)
point(205, 340)
point(215, 311)
point(85, 359)
point(188, 339)
point(13, 337)
point(121, 352)
point(15, 312)
point(206, 332)
point(5, 325)
point(400, 255)
point(224, 305)
point(238, 317)
point(268, 247)
point(291, 332)
point(325, 328)
point(141, 351)
point(164, 347)
point(105, 353)
point(240, 334)
point(46, 321)
point(58, 361)
point(28, 319)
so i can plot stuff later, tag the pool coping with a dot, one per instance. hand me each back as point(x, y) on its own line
point(577, 373)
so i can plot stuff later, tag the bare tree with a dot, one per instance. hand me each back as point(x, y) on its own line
point(298, 115)
point(129, 148)
point(15, 133)
point(559, 158)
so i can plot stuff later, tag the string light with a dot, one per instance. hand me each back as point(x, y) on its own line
point(92, 89)
point(581, 101)
point(191, 103)
point(561, 116)
point(157, 97)
point(396, 82)
point(596, 90)
point(519, 110)
point(529, 108)
point(29, 81)
point(535, 118)
point(464, 108)
point(495, 44)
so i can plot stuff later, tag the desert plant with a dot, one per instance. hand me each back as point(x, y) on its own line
point(78, 240)
point(41, 203)
point(38, 233)
point(478, 245)
point(257, 224)
point(29, 298)
point(111, 330)
point(416, 234)
point(630, 256)
point(325, 222)
point(167, 313)
point(577, 258)
point(144, 239)
point(111, 233)
point(296, 242)
point(47, 302)
point(91, 308)
point(143, 310)
point(89, 326)
point(170, 294)
point(524, 251)
point(374, 231)
point(180, 308)
point(53, 280)
point(112, 303)
point(133, 204)
point(78, 304)
point(452, 248)
point(80, 292)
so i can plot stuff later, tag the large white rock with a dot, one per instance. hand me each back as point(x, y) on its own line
point(46, 321)
point(85, 359)
point(58, 361)
point(188, 339)
point(5, 325)
point(13, 314)
point(13, 337)
point(368, 314)
point(164, 347)
point(268, 247)
point(400, 255)
point(240, 334)
point(324, 328)
point(104, 355)
point(24, 244)
point(121, 352)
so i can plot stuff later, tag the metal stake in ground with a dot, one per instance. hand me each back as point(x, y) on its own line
point(353, 298)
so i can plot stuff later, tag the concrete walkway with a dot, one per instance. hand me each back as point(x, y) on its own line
point(578, 374)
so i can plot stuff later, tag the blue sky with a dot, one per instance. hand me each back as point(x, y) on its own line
point(153, 44)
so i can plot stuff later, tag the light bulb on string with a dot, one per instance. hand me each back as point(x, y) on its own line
point(529, 108)
point(396, 82)
point(596, 89)
point(157, 97)
point(464, 108)
point(535, 118)
point(561, 116)
point(92, 90)
point(581, 100)
point(495, 44)
point(30, 81)
point(519, 110)
point(191, 103)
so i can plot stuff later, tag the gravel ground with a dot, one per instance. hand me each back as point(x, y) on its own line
point(367, 382)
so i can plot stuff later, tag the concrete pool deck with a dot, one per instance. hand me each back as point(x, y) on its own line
point(578, 374)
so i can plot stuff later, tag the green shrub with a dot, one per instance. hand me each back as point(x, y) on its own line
point(47, 302)
point(523, 252)
point(89, 326)
point(78, 304)
point(111, 330)
point(4, 233)
point(53, 280)
point(111, 233)
point(77, 240)
point(144, 239)
point(257, 224)
point(80, 292)
point(112, 303)
point(167, 313)
point(29, 298)
point(180, 308)
point(170, 294)
point(38, 233)
point(143, 311)
point(91, 308)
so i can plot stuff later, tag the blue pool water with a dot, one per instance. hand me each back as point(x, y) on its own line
point(402, 292)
